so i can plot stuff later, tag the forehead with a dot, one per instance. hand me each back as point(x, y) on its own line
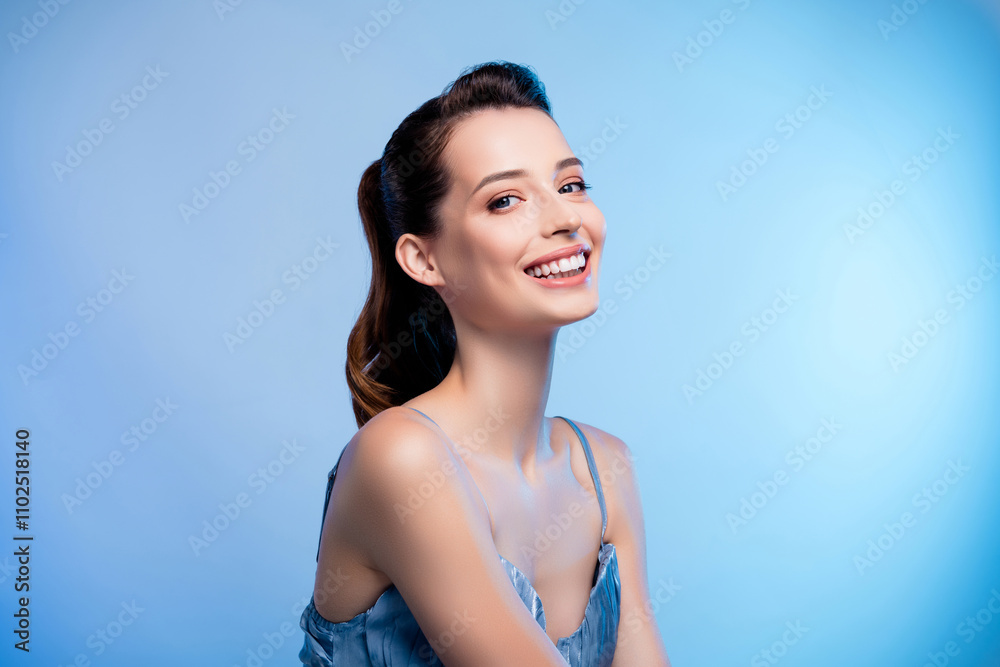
point(495, 140)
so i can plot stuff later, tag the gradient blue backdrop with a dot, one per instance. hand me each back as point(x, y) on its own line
point(664, 101)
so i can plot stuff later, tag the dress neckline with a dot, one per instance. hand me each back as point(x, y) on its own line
point(591, 465)
point(607, 555)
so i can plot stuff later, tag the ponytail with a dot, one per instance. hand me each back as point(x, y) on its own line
point(403, 342)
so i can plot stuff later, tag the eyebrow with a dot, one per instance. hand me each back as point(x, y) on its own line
point(517, 173)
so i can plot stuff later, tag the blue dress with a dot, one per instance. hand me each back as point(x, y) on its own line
point(387, 635)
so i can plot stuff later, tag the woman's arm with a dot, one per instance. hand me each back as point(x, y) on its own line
point(423, 523)
point(639, 640)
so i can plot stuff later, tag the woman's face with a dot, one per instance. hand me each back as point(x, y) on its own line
point(516, 196)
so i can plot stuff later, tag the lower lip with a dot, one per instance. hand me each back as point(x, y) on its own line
point(571, 281)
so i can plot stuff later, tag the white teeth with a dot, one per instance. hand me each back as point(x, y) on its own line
point(556, 268)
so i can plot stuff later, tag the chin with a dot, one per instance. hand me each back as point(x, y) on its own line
point(585, 310)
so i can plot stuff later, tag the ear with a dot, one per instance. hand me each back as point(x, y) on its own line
point(413, 255)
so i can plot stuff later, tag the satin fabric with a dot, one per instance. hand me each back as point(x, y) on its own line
point(387, 635)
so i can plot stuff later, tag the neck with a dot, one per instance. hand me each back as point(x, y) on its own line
point(492, 401)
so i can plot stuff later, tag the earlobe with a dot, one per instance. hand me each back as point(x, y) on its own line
point(411, 253)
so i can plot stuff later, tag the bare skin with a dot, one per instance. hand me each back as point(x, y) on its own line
point(498, 492)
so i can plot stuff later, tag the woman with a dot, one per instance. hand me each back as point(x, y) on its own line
point(466, 527)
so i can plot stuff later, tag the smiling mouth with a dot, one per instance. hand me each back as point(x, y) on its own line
point(564, 267)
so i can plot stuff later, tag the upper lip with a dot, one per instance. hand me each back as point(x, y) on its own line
point(568, 251)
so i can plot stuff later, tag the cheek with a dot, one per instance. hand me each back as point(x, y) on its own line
point(597, 228)
point(482, 273)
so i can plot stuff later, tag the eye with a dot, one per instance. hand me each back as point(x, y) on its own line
point(583, 186)
point(501, 202)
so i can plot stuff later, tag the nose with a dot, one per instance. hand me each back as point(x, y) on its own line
point(558, 216)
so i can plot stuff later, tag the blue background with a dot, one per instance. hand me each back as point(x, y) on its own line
point(684, 126)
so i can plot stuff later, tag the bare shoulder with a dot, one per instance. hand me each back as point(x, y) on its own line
point(613, 457)
point(616, 467)
point(626, 530)
point(420, 521)
point(395, 467)
point(392, 445)
point(392, 452)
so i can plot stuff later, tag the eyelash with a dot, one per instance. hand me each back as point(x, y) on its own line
point(491, 206)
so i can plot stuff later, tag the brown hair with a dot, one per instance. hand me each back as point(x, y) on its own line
point(403, 342)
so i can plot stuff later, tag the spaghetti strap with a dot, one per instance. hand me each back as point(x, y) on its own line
point(329, 487)
point(432, 421)
point(590, 463)
point(593, 473)
point(387, 632)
